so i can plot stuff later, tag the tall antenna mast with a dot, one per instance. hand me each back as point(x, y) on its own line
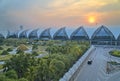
point(21, 27)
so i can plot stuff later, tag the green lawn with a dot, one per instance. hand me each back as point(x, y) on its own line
point(41, 50)
point(1, 66)
point(5, 57)
point(115, 53)
point(1, 51)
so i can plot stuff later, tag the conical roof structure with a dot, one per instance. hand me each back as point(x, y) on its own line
point(33, 34)
point(45, 35)
point(118, 37)
point(23, 34)
point(103, 35)
point(1, 36)
point(11, 35)
point(79, 34)
point(61, 34)
point(118, 40)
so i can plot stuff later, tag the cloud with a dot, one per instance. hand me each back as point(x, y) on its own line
point(57, 12)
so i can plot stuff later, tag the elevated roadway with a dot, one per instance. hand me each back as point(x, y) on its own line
point(97, 70)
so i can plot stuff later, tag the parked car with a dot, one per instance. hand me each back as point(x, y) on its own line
point(89, 62)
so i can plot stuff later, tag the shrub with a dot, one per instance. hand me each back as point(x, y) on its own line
point(1, 48)
point(115, 53)
point(11, 74)
point(22, 79)
point(20, 51)
point(4, 52)
point(35, 53)
point(9, 49)
point(34, 47)
point(2, 77)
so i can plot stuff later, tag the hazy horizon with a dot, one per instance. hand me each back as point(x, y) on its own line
point(33, 14)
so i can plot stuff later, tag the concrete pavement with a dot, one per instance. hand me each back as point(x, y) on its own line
point(97, 70)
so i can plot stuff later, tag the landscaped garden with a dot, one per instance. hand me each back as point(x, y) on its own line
point(115, 53)
point(59, 56)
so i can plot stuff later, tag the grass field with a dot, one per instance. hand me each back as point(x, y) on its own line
point(5, 57)
point(115, 53)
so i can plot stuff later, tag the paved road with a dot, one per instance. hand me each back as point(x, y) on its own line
point(96, 71)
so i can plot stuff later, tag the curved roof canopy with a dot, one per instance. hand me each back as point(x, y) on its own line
point(118, 38)
point(11, 35)
point(45, 35)
point(61, 34)
point(23, 34)
point(1, 36)
point(103, 34)
point(33, 34)
point(79, 34)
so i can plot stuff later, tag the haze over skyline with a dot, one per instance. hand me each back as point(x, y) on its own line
point(58, 13)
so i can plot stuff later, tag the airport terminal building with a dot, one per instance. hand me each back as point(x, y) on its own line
point(101, 36)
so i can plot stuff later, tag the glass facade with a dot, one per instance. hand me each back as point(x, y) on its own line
point(61, 35)
point(79, 34)
point(118, 40)
point(33, 34)
point(23, 34)
point(103, 36)
point(11, 35)
point(1, 36)
point(45, 35)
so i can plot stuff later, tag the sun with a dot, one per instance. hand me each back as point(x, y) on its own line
point(91, 19)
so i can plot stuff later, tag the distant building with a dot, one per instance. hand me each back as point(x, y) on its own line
point(61, 34)
point(33, 34)
point(103, 36)
point(23, 34)
point(1, 36)
point(45, 35)
point(118, 40)
point(11, 34)
point(79, 34)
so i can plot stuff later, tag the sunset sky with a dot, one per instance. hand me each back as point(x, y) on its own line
point(58, 13)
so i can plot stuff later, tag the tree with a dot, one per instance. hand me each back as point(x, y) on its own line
point(35, 53)
point(11, 74)
point(43, 70)
point(4, 53)
point(31, 73)
point(2, 77)
point(35, 46)
point(22, 79)
point(56, 68)
point(20, 63)
point(1, 41)
point(1, 48)
point(9, 49)
point(76, 51)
